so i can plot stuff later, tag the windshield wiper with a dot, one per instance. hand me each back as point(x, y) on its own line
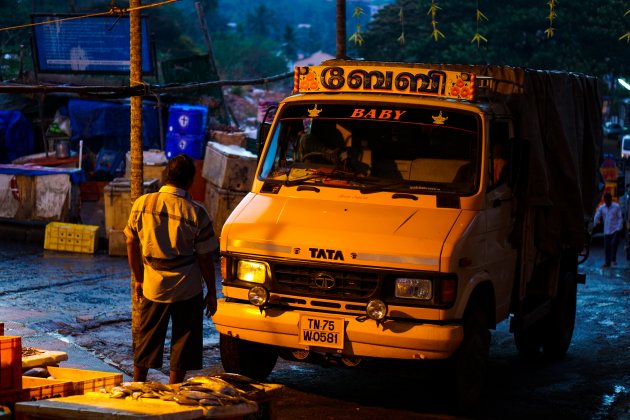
point(298, 181)
point(411, 186)
point(335, 174)
point(383, 187)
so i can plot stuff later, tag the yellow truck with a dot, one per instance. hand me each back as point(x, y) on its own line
point(403, 210)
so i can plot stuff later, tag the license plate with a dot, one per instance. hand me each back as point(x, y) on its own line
point(321, 331)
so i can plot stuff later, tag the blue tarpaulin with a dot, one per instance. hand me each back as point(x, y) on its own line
point(17, 137)
point(108, 124)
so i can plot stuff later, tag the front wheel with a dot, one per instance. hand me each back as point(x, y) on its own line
point(246, 357)
point(471, 361)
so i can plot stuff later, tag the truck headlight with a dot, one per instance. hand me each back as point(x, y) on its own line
point(251, 271)
point(421, 289)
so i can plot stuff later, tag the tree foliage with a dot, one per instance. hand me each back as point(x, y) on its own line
point(585, 35)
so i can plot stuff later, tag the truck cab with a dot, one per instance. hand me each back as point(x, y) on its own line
point(380, 224)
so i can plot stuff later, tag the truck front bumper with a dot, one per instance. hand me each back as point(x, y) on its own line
point(392, 339)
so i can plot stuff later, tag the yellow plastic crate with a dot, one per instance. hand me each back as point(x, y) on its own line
point(71, 237)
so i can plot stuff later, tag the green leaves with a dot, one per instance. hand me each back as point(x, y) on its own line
point(626, 36)
point(356, 37)
point(551, 17)
point(436, 34)
point(479, 16)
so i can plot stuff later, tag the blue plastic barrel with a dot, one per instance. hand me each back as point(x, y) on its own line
point(185, 144)
point(187, 119)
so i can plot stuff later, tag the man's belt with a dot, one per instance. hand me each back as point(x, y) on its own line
point(170, 264)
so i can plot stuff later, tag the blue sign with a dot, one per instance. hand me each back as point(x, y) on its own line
point(98, 44)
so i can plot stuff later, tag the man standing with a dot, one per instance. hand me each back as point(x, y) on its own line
point(610, 214)
point(170, 241)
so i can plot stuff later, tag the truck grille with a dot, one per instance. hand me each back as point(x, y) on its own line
point(324, 282)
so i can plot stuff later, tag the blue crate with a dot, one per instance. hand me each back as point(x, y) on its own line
point(185, 144)
point(187, 119)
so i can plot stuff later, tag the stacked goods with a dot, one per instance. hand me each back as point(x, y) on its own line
point(117, 201)
point(230, 172)
point(186, 130)
point(10, 366)
point(154, 162)
point(230, 138)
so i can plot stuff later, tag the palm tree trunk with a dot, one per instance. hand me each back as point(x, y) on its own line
point(135, 78)
point(341, 28)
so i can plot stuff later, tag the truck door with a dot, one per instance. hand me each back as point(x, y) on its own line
point(499, 204)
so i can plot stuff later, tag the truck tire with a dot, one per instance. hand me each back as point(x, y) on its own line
point(560, 322)
point(246, 357)
point(471, 361)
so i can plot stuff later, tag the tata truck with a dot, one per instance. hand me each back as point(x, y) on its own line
point(402, 211)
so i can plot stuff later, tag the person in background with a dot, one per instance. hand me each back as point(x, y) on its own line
point(610, 214)
point(170, 242)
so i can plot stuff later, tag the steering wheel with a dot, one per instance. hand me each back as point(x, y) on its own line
point(318, 155)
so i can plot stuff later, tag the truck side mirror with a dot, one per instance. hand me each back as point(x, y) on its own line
point(264, 128)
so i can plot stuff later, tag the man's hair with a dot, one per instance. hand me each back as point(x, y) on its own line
point(180, 171)
point(607, 195)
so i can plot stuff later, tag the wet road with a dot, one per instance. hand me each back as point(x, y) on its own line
point(85, 300)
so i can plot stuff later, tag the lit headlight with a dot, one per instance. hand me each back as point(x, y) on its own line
point(251, 271)
point(414, 289)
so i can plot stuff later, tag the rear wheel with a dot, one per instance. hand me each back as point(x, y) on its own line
point(471, 361)
point(561, 320)
point(246, 357)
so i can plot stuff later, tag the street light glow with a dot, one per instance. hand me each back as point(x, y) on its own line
point(624, 83)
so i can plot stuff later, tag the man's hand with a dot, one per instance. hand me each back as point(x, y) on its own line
point(211, 304)
point(138, 288)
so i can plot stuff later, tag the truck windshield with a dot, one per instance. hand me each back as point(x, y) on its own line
point(375, 147)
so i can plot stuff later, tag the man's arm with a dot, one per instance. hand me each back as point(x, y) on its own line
point(206, 264)
point(598, 214)
point(134, 258)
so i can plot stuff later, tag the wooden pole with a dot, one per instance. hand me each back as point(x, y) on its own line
point(341, 29)
point(206, 36)
point(135, 78)
point(201, 15)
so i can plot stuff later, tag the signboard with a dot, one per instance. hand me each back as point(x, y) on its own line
point(381, 79)
point(98, 44)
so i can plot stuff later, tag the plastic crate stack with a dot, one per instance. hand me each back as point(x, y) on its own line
point(186, 130)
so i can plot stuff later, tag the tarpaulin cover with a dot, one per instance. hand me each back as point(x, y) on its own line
point(17, 137)
point(559, 116)
point(77, 175)
point(109, 124)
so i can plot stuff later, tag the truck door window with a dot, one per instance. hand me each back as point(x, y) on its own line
point(374, 147)
point(499, 152)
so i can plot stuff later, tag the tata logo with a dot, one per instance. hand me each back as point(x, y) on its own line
point(323, 281)
point(326, 254)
